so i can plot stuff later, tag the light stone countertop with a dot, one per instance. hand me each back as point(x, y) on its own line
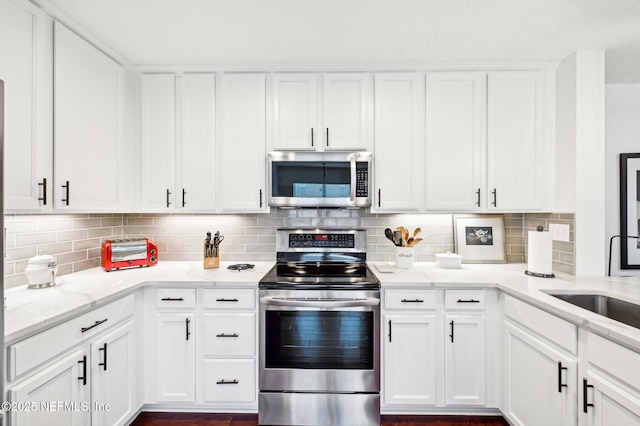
point(30, 311)
point(511, 279)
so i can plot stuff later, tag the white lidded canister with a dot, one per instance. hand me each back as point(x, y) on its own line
point(41, 271)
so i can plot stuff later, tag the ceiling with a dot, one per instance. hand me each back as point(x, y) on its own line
point(358, 32)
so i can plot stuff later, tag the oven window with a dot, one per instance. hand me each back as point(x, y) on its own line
point(319, 340)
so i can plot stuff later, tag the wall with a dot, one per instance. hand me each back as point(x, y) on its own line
point(75, 239)
point(622, 132)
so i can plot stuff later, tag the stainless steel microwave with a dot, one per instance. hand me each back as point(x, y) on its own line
point(319, 179)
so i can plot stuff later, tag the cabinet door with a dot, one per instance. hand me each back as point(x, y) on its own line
point(88, 135)
point(399, 143)
point(515, 153)
point(175, 357)
point(455, 162)
point(242, 159)
point(295, 112)
point(534, 375)
point(26, 69)
point(611, 403)
point(58, 395)
point(346, 111)
point(158, 142)
point(195, 190)
point(465, 360)
point(113, 377)
point(410, 360)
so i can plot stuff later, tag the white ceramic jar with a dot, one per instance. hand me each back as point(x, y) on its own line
point(41, 271)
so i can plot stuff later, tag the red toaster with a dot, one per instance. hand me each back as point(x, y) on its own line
point(128, 253)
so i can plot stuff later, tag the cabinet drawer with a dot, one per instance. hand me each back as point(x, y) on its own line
point(410, 299)
point(548, 326)
point(29, 353)
point(230, 298)
point(464, 300)
point(229, 334)
point(616, 360)
point(229, 380)
point(176, 298)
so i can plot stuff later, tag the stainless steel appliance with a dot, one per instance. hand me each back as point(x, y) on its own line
point(319, 331)
point(319, 179)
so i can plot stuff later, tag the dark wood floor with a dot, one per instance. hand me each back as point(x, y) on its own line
point(201, 419)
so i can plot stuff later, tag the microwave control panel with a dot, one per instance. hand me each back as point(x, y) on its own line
point(362, 180)
point(322, 240)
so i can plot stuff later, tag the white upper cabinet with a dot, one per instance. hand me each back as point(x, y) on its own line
point(241, 161)
point(158, 142)
point(347, 111)
point(331, 111)
point(178, 142)
point(295, 112)
point(455, 117)
point(517, 143)
point(88, 132)
point(27, 71)
point(196, 179)
point(399, 142)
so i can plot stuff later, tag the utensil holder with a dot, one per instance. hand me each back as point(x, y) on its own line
point(404, 257)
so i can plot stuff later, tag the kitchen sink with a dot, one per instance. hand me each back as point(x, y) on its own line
point(610, 307)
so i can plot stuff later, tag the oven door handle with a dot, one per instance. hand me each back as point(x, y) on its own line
point(319, 303)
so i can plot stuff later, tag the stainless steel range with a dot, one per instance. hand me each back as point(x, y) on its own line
point(320, 331)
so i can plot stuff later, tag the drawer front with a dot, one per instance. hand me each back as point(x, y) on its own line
point(176, 298)
point(616, 360)
point(556, 330)
point(410, 299)
point(31, 352)
point(229, 334)
point(231, 298)
point(230, 380)
point(464, 300)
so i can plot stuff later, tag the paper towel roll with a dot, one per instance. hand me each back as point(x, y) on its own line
point(540, 252)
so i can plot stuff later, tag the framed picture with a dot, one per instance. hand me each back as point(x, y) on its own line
point(479, 238)
point(629, 210)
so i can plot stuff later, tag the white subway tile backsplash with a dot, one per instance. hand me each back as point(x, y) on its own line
point(76, 239)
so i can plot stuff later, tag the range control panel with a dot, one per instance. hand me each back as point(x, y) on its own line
point(322, 240)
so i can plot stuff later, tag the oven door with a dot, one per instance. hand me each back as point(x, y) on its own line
point(319, 341)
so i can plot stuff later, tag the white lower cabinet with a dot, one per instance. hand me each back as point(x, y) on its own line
point(540, 381)
point(175, 357)
point(410, 367)
point(540, 367)
point(609, 383)
point(113, 370)
point(229, 348)
point(54, 396)
point(204, 350)
point(435, 350)
point(90, 383)
point(465, 360)
point(229, 380)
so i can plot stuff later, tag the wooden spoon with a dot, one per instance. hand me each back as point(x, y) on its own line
point(415, 241)
point(416, 232)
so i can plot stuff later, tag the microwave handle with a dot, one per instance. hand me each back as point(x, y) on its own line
point(352, 191)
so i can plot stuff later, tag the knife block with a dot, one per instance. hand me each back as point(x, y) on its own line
point(210, 262)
